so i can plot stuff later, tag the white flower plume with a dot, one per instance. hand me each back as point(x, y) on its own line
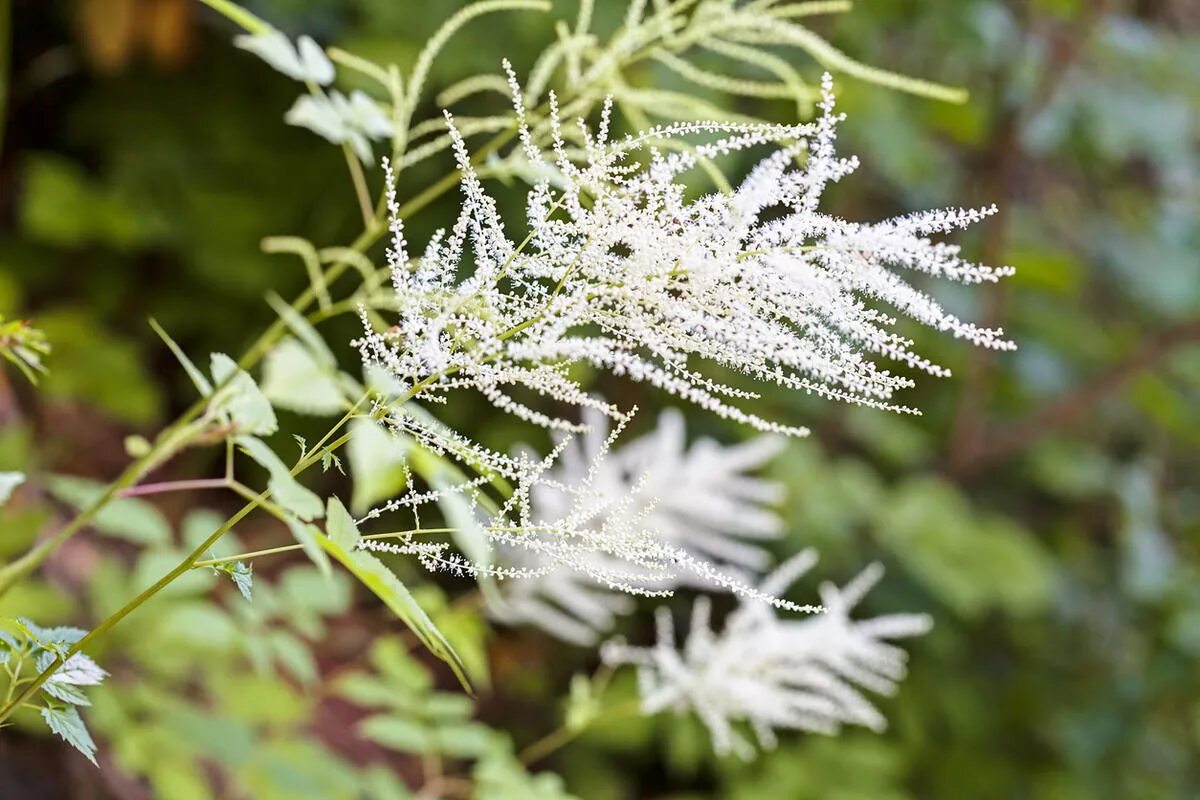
point(773, 673)
point(699, 498)
point(622, 271)
point(599, 536)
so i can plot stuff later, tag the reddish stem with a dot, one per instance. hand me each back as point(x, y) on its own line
point(174, 486)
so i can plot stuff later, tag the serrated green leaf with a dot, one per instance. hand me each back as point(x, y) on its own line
point(66, 693)
point(202, 385)
point(294, 380)
point(247, 407)
point(80, 670)
point(328, 459)
point(389, 588)
point(69, 725)
point(44, 637)
point(287, 491)
point(243, 578)
point(128, 518)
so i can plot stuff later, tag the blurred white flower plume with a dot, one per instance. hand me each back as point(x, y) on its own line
point(697, 498)
point(775, 673)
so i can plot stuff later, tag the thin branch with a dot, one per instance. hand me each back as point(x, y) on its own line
point(1075, 406)
point(174, 486)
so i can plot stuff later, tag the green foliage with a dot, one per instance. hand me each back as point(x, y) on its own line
point(127, 518)
point(389, 588)
point(1062, 578)
point(92, 365)
point(294, 380)
point(240, 401)
point(62, 206)
point(67, 723)
point(412, 718)
point(968, 561)
point(58, 699)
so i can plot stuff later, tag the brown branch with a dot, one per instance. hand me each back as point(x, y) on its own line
point(1000, 165)
point(1074, 407)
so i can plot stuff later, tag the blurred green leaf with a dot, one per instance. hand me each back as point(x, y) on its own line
point(127, 518)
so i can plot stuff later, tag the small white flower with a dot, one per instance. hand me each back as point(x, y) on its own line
point(355, 120)
point(304, 61)
point(774, 673)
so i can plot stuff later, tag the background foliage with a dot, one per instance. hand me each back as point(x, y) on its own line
point(1045, 509)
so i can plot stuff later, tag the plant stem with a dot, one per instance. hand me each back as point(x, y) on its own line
point(174, 435)
point(171, 437)
point(360, 185)
point(566, 733)
point(131, 606)
point(238, 15)
point(291, 548)
point(14, 571)
point(174, 486)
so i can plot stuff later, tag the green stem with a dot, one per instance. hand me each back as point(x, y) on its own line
point(565, 734)
point(246, 493)
point(172, 437)
point(174, 486)
point(130, 607)
point(13, 572)
point(291, 548)
point(238, 15)
point(360, 185)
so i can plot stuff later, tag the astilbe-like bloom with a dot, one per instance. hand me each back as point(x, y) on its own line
point(775, 673)
point(600, 537)
point(698, 498)
point(620, 270)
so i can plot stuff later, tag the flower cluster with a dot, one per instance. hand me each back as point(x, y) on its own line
point(771, 672)
point(698, 498)
point(621, 270)
point(577, 527)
